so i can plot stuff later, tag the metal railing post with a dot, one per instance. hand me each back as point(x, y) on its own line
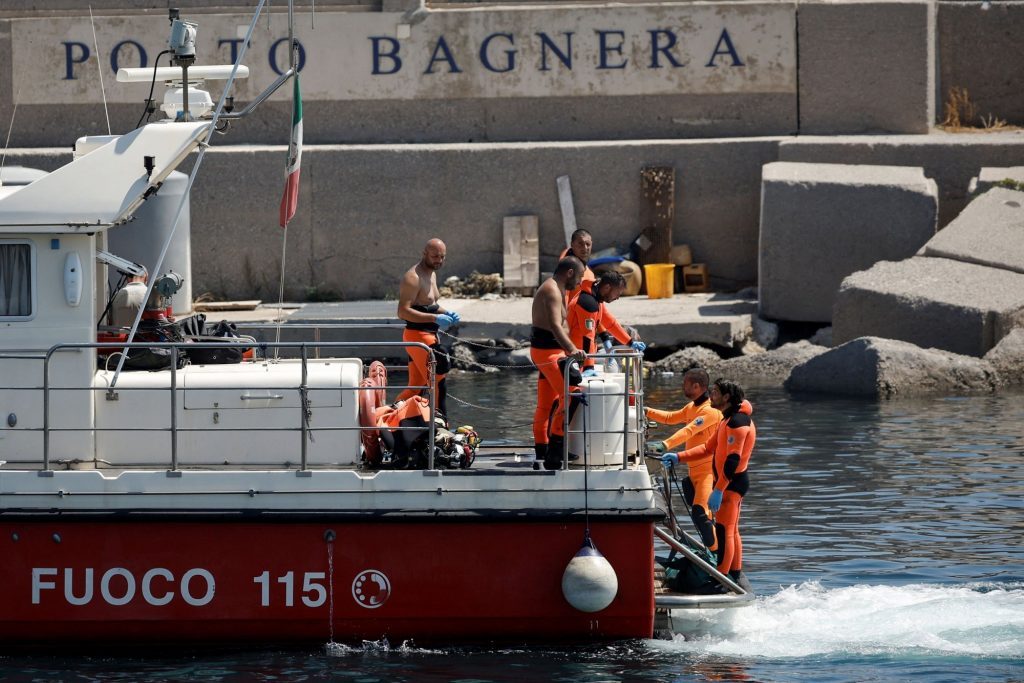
point(432, 392)
point(565, 413)
point(46, 412)
point(174, 408)
point(625, 413)
point(303, 406)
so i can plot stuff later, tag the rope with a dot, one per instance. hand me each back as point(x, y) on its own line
point(500, 366)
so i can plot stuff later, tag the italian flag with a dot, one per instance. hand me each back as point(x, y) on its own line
point(290, 199)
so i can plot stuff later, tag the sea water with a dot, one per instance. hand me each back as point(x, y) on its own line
point(884, 541)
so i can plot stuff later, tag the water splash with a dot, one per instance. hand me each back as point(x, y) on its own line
point(974, 620)
point(378, 647)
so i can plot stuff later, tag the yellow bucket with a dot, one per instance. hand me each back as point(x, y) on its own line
point(660, 280)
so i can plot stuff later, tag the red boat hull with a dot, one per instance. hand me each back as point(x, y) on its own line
point(223, 580)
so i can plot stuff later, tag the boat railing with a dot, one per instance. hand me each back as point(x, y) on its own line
point(178, 349)
point(632, 397)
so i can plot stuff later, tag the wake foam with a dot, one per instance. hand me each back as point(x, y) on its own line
point(983, 620)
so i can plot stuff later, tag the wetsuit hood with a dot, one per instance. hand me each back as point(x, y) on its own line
point(744, 407)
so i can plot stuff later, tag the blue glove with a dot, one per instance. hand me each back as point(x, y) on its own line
point(444, 321)
point(590, 372)
point(638, 346)
point(656, 447)
point(670, 460)
point(715, 501)
point(454, 316)
point(607, 345)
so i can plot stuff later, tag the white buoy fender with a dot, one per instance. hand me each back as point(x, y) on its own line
point(589, 583)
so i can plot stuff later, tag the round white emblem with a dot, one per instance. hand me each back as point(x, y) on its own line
point(371, 589)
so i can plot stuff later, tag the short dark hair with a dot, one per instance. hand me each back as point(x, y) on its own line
point(611, 277)
point(569, 262)
point(698, 375)
point(735, 391)
point(579, 232)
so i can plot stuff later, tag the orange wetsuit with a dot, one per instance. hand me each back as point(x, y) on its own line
point(730, 448)
point(424, 333)
point(587, 315)
point(701, 421)
point(549, 416)
point(402, 424)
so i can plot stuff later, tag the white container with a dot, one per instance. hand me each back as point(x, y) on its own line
point(604, 417)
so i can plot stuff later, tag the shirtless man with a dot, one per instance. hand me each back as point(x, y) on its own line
point(417, 306)
point(549, 344)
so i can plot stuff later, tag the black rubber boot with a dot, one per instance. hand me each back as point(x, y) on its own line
point(553, 457)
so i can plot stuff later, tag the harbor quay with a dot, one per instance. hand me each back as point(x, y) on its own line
point(806, 143)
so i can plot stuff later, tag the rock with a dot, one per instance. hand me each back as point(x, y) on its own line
point(520, 358)
point(771, 367)
point(507, 342)
point(887, 368)
point(932, 302)
point(464, 359)
point(690, 357)
point(765, 333)
point(488, 286)
point(822, 222)
point(1008, 358)
point(822, 337)
point(989, 232)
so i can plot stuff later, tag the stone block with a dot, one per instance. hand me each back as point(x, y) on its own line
point(932, 302)
point(989, 232)
point(886, 368)
point(866, 67)
point(1008, 358)
point(969, 35)
point(951, 160)
point(992, 177)
point(822, 222)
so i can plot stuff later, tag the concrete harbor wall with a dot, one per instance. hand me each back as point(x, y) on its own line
point(387, 166)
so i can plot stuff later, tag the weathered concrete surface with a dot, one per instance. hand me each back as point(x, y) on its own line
point(366, 211)
point(951, 160)
point(1008, 358)
point(821, 222)
point(886, 368)
point(969, 37)
point(866, 67)
point(770, 368)
point(685, 319)
point(718, 319)
point(991, 177)
point(989, 232)
point(931, 302)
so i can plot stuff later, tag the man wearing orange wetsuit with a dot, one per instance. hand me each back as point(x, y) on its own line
point(418, 307)
point(581, 245)
point(588, 313)
point(700, 420)
point(550, 347)
point(730, 449)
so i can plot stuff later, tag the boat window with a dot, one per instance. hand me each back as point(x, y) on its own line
point(16, 280)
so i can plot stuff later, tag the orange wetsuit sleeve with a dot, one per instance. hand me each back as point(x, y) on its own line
point(740, 443)
point(690, 431)
point(612, 326)
point(666, 417)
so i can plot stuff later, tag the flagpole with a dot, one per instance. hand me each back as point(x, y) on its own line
point(280, 291)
